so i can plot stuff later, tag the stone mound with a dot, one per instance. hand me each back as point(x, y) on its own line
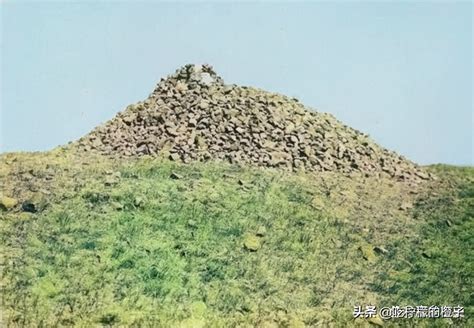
point(193, 116)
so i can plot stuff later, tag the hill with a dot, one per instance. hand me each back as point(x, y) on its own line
point(154, 219)
point(154, 243)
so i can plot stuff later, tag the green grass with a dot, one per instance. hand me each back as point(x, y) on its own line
point(437, 267)
point(147, 250)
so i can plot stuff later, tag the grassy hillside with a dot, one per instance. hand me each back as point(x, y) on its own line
point(152, 243)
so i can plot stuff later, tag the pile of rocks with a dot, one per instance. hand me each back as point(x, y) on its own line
point(193, 116)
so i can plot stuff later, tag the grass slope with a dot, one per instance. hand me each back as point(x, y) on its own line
point(152, 243)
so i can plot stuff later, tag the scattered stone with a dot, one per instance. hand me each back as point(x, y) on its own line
point(261, 231)
point(45, 192)
point(7, 203)
point(337, 243)
point(175, 176)
point(317, 203)
point(427, 254)
point(111, 180)
point(25, 216)
point(405, 206)
point(194, 116)
point(380, 250)
point(175, 157)
point(28, 206)
point(376, 320)
point(368, 253)
point(138, 201)
point(192, 223)
point(252, 243)
point(117, 206)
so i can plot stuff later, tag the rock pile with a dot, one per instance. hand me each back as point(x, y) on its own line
point(193, 116)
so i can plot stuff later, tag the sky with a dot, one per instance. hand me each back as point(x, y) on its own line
point(398, 71)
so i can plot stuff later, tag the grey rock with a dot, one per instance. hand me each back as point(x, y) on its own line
point(175, 176)
point(194, 113)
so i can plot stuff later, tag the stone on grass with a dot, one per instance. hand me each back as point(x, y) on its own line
point(29, 206)
point(404, 206)
point(380, 250)
point(252, 243)
point(192, 223)
point(138, 201)
point(117, 206)
point(175, 176)
point(376, 320)
point(368, 253)
point(174, 157)
point(261, 231)
point(111, 180)
point(7, 203)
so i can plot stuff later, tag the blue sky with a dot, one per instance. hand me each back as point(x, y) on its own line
point(401, 72)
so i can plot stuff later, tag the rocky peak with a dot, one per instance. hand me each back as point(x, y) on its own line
point(190, 76)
